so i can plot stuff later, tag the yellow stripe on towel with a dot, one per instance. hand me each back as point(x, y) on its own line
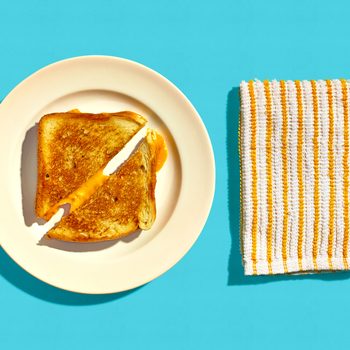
point(254, 174)
point(331, 174)
point(316, 174)
point(300, 174)
point(269, 174)
point(285, 172)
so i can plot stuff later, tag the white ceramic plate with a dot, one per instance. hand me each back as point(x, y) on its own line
point(185, 185)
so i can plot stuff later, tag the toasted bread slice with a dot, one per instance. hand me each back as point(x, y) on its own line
point(123, 203)
point(74, 146)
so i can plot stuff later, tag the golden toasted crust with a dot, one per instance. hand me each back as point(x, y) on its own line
point(124, 203)
point(74, 146)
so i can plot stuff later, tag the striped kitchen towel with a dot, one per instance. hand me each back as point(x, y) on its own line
point(294, 149)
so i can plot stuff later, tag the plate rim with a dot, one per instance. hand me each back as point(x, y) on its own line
point(210, 156)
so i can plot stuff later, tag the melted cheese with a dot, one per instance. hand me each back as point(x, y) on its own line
point(161, 151)
point(80, 195)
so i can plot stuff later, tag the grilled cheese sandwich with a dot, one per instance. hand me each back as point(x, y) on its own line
point(109, 207)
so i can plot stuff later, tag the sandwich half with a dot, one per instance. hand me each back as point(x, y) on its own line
point(123, 203)
point(73, 146)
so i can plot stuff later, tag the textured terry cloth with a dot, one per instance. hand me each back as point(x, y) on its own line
point(294, 147)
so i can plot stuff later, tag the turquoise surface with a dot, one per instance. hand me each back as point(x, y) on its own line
point(206, 48)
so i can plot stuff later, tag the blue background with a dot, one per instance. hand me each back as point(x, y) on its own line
point(206, 48)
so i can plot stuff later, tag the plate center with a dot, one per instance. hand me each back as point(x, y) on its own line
point(97, 101)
